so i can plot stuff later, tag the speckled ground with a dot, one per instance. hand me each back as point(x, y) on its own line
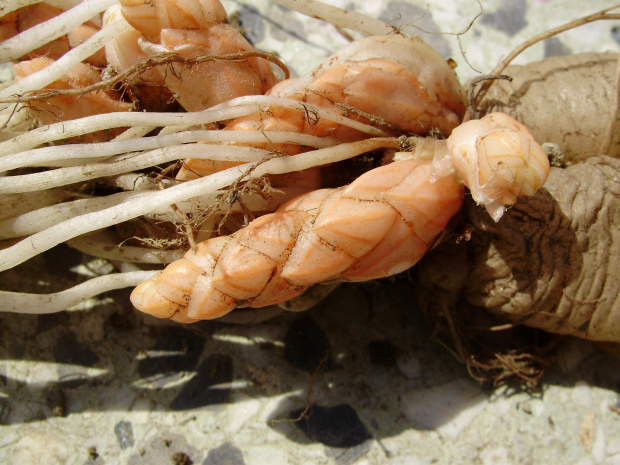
point(111, 386)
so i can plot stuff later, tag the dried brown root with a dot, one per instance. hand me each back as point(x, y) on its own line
point(495, 354)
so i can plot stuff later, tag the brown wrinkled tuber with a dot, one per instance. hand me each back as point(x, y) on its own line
point(552, 262)
point(565, 100)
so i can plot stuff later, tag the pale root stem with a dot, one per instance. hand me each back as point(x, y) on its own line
point(124, 163)
point(47, 216)
point(174, 129)
point(251, 202)
point(600, 15)
point(12, 5)
point(41, 34)
point(39, 304)
point(79, 127)
point(11, 117)
point(18, 204)
point(78, 154)
point(136, 182)
point(34, 221)
point(338, 17)
point(235, 108)
point(98, 245)
point(133, 133)
point(147, 202)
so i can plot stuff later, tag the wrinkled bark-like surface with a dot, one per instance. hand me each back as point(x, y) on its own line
point(552, 261)
point(566, 100)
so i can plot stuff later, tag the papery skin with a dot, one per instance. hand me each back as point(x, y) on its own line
point(563, 100)
point(498, 159)
point(571, 284)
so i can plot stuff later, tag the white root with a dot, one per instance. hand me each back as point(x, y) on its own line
point(137, 182)
point(17, 204)
point(147, 202)
point(39, 304)
point(132, 133)
point(47, 31)
point(8, 6)
point(11, 118)
point(124, 163)
point(56, 156)
point(9, 114)
point(338, 17)
point(79, 127)
point(102, 246)
point(61, 66)
point(251, 202)
point(47, 216)
point(235, 108)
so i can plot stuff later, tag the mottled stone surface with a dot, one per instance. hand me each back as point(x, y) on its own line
point(226, 454)
point(337, 426)
point(392, 394)
point(210, 385)
point(509, 18)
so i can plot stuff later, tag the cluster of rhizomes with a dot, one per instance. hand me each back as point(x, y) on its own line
point(242, 122)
